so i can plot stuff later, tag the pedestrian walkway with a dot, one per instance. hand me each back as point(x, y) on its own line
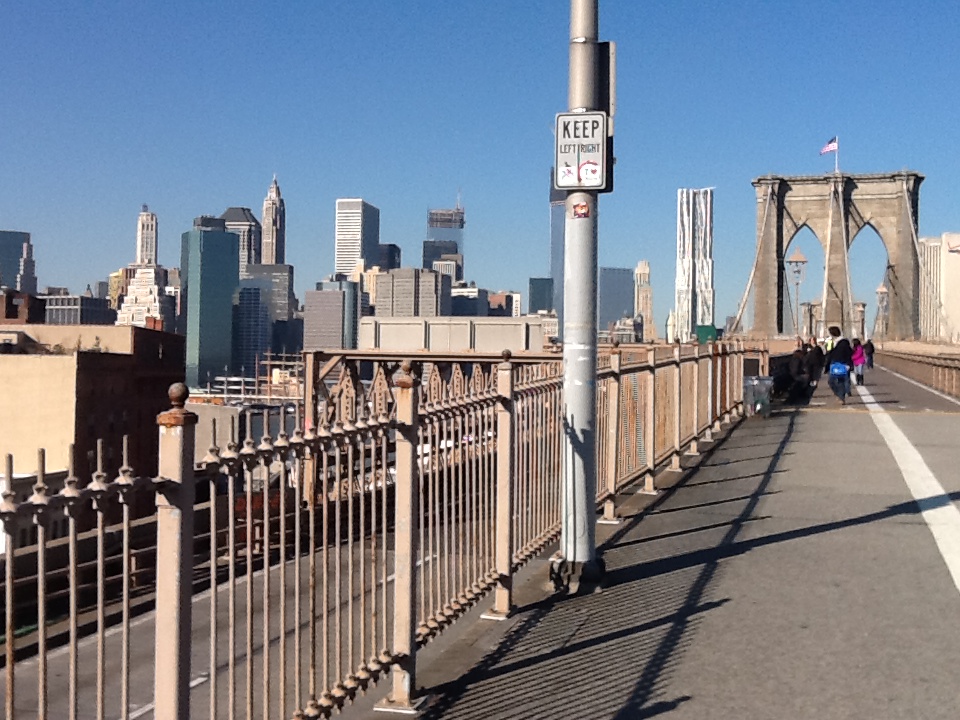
point(791, 575)
point(892, 392)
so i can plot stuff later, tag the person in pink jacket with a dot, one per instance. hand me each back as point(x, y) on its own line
point(859, 360)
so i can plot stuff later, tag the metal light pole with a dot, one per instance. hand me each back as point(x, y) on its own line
point(881, 324)
point(806, 312)
point(796, 264)
point(578, 531)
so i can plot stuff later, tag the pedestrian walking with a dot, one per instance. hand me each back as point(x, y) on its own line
point(829, 342)
point(839, 363)
point(798, 375)
point(813, 365)
point(859, 359)
point(813, 362)
point(869, 349)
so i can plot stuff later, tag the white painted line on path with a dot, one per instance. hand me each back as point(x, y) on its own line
point(920, 385)
point(936, 508)
point(140, 712)
point(202, 678)
point(393, 576)
point(145, 617)
point(149, 616)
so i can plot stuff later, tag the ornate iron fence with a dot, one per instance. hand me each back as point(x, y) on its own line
point(317, 563)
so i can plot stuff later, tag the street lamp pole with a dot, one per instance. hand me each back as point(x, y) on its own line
point(881, 324)
point(577, 560)
point(796, 265)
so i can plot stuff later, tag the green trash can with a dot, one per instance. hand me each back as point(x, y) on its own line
point(756, 395)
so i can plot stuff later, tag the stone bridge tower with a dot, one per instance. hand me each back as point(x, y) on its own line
point(836, 208)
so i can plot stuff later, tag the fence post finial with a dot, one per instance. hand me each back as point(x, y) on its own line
point(407, 514)
point(505, 481)
point(175, 500)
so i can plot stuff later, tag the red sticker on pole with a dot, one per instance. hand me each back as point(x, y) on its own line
point(581, 210)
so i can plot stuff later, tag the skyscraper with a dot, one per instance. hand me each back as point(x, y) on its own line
point(146, 238)
point(614, 296)
point(643, 299)
point(331, 315)
point(939, 288)
point(435, 250)
point(413, 292)
point(389, 257)
point(274, 247)
point(251, 329)
point(505, 303)
point(449, 265)
point(15, 247)
point(541, 295)
point(276, 285)
point(244, 224)
point(146, 302)
point(694, 285)
point(209, 277)
point(557, 237)
point(469, 301)
point(447, 225)
point(27, 271)
point(444, 236)
point(356, 235)
point(78, 310)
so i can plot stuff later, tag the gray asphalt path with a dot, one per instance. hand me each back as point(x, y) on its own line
point(791, 576)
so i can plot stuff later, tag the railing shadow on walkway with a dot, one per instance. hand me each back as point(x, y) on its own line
point(553, 655)
point(527, 670)
point(532, 643)
point(526, 663)
point(646, 684)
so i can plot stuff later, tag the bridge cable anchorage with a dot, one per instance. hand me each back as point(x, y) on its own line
point(923, 267)
point(756, 260)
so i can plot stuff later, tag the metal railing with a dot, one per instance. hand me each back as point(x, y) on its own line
point(324, 559)
point(940, 372)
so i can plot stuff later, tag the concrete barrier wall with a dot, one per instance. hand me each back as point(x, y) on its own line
point(451, 334)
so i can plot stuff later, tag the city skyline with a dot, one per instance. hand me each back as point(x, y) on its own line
point(74, 184)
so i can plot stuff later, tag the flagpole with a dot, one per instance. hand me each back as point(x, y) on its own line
point(836, 157)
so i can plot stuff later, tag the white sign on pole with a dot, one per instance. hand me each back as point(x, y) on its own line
point(581, 157)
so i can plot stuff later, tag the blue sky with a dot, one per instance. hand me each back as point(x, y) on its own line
point(192, 107)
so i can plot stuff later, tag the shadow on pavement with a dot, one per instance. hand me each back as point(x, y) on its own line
point(708, 560)
point(712, 503)
point(610, 654)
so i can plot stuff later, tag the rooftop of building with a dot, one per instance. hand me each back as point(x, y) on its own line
point(239, 215)
point(119, 339)
point(446, 218)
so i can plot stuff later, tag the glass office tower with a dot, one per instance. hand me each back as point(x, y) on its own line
point(209, 276)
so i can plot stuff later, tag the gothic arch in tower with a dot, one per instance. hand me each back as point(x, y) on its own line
point(836, 208)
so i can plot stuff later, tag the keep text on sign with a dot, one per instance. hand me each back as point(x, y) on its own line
point(581, 151)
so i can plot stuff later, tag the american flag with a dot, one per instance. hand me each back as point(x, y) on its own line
point(831, 146)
